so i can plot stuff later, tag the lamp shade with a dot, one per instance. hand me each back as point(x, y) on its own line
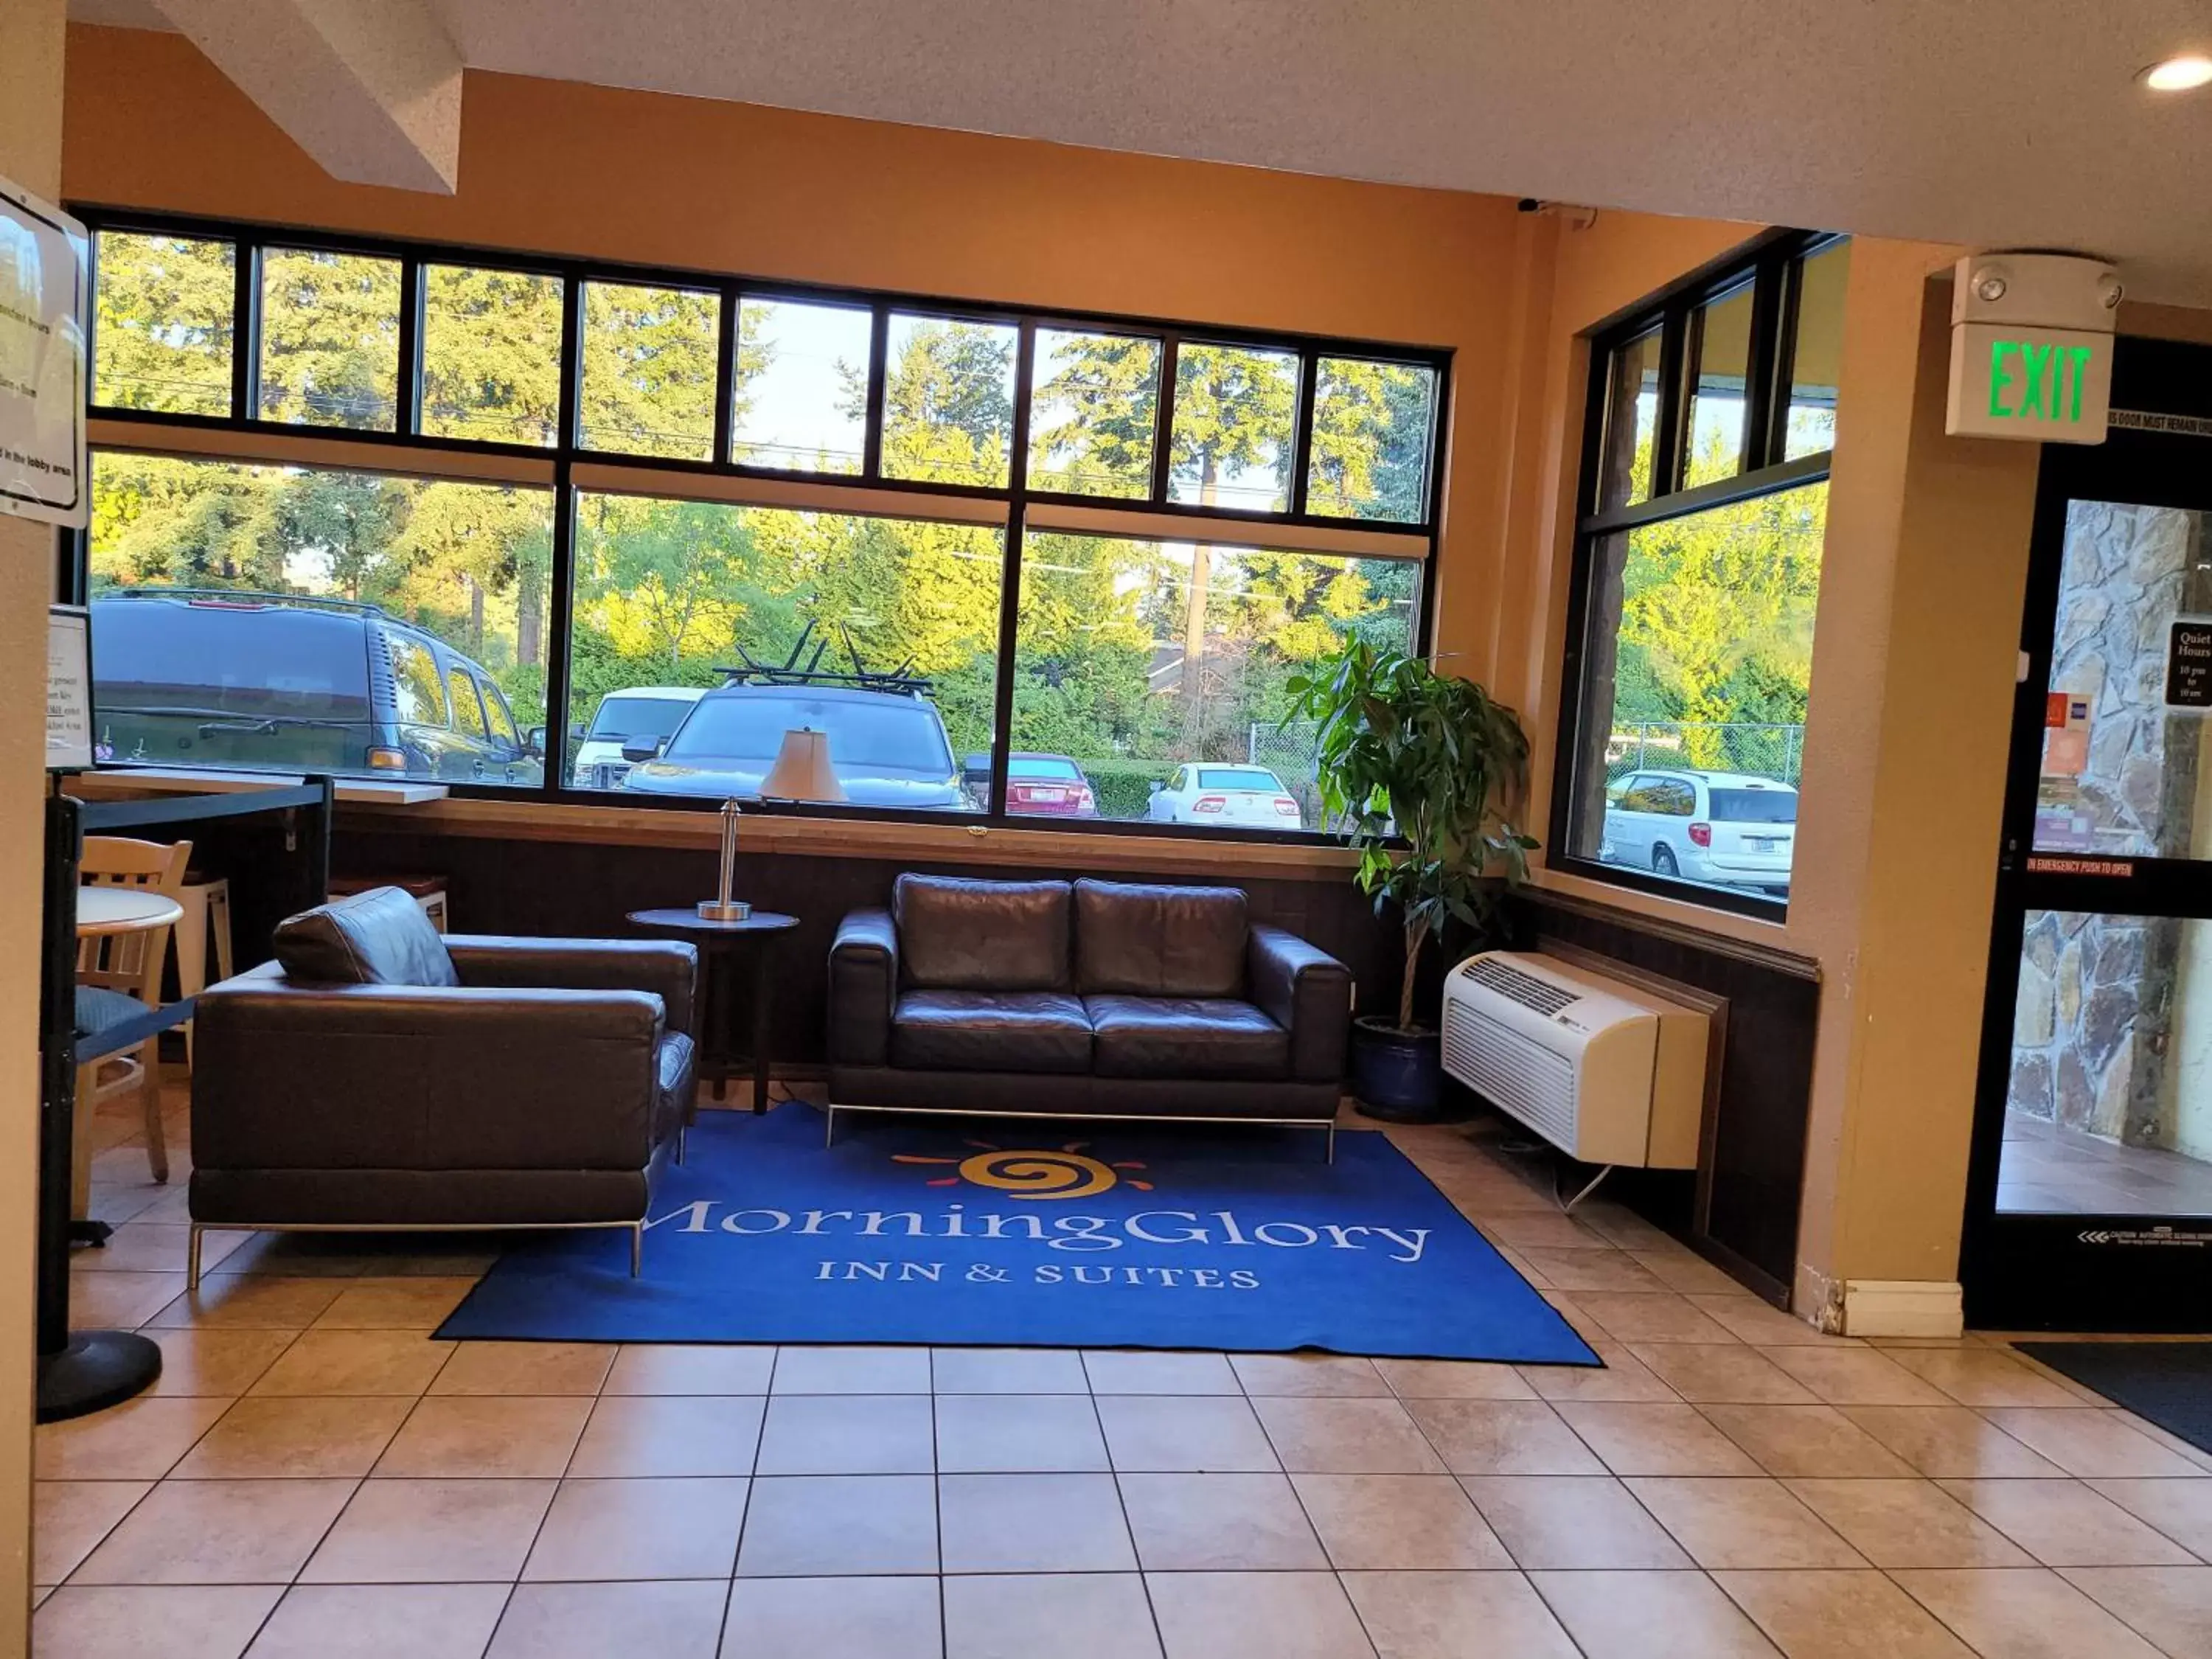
point(802, 769)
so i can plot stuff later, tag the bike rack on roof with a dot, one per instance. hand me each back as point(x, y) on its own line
point(899, 682)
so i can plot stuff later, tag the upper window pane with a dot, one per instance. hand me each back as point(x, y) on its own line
point(1631, 423)
point(649, 370)
point(162, 333)
point(1235, 409)
point(1135, 658)
point(800, 400)
point(948, 400)
point(1816, 367)
point(1094, 415)
point(1374, 429)
point(1720, 338)
point(329, 339)
point(237, 610)
point(1694, 692)
point(491, 355)
point(675, 600)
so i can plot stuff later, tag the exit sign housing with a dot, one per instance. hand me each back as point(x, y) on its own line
point(2038, 385)
point(2032, 347)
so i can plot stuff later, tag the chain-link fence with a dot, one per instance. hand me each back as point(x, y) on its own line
point(1767, 751)
point(1292, 753)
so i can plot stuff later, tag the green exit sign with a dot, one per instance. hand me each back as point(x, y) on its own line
point(2040, 385)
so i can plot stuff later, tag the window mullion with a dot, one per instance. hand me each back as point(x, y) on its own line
point(246, 333)
point(872, 441)
point(726, 377)
point(408, 417)
point(1762, 443)
point(1302, 430)
point(1163, 417)
point(1010, 579)
point(1670, 434)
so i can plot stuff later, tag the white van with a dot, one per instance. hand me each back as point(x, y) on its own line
point(639, 715)
point(1724, 828)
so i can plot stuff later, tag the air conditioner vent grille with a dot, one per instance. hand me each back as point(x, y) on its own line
point(1526, 990)
point(1518, 1076)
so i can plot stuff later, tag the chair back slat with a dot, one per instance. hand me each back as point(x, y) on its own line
point(130, 963)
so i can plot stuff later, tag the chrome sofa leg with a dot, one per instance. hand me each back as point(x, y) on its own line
point(636, 1249)
point(682, 1139)
point(193, 1259)
point(829, 1125)
point(1332, 1142)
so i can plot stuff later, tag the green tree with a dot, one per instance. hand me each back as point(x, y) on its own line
point(162, 331)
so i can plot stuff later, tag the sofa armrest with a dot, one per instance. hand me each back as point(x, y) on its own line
point(667, 968)
point(390, 1077)
point(1308, 992)
point(863, 989)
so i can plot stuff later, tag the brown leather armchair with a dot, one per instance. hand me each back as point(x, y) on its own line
point(378, 1076)
point(1099, 999)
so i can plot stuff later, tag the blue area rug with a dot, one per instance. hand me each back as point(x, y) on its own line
point(1054, 1235)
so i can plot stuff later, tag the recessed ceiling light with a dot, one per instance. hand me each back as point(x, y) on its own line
point(2182, 74)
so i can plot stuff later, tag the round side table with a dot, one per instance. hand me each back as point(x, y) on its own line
point(719, 942)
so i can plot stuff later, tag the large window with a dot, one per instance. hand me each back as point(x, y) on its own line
point(1705, 512)
point(628, 528)
point(1148, 675)
point(308, 619)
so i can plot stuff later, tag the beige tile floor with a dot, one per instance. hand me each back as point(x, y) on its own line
point(315, 1478)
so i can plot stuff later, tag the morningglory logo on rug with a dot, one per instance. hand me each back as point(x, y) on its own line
point(1038, 1182)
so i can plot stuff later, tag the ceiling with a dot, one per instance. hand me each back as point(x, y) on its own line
point(1999, 122)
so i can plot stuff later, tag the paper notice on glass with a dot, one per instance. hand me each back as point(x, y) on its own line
point(42, 366)
point(2065, 751)
point(68, 687)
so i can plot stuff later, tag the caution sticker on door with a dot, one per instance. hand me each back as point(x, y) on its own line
point(2156, 1237)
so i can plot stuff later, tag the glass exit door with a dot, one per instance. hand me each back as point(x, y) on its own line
point(2090, 1205)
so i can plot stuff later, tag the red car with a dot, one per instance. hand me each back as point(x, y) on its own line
point(1048, 786)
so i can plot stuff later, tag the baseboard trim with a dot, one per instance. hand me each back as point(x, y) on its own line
point(1903, 1307)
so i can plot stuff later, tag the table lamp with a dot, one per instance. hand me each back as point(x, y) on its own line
point(802, 769)
point(801, 772)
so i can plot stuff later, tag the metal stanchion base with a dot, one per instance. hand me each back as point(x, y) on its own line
point(97, 1370)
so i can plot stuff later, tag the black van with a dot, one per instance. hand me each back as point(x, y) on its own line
point(206, 677)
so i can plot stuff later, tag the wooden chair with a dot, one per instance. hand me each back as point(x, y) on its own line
point(128, 964)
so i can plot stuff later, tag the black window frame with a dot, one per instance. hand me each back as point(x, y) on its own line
point(1771, 262)
point(250, 239)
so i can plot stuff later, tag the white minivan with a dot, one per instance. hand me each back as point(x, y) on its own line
point(1724, 828)
point(639, 715)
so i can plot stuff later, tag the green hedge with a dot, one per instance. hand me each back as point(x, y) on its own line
point(1123, 787)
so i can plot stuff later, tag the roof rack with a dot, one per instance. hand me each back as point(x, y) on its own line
point(900, 681)
point(242, 594)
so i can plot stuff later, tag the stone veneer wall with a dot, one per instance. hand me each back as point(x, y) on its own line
point(2096, 1003)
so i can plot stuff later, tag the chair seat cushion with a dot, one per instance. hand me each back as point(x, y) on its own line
point(99, 1009)
point(991, 1032)
point(1186, 1037)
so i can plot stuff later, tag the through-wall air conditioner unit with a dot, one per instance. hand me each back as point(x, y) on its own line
point(1609, 1072)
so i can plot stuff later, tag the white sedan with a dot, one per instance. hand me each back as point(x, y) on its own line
point(1246, 797)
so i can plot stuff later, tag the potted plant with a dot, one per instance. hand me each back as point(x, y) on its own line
point(1418, 768)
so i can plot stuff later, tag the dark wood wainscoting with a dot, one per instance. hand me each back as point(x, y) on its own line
point(1741, 1207)
point(582, 891)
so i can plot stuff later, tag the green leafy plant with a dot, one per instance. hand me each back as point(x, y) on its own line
point(1418, 768)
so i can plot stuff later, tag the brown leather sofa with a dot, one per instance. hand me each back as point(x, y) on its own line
point(1037, 999)
point(380, 1076)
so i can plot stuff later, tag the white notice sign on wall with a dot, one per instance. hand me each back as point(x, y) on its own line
point(42, 360)
point(69, 687)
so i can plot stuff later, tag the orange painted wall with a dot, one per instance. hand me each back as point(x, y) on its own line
point(562, 168)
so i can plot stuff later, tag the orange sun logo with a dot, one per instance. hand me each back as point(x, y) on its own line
point(1029, 1173)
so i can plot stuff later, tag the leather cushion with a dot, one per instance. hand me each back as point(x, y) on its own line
point(1186, 1037)
point(378, 937)
point(991, 1032)
point(674, 1083)
point(956, 934)
point(1156, 941)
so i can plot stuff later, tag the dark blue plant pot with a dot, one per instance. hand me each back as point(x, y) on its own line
point(1398, 1076)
